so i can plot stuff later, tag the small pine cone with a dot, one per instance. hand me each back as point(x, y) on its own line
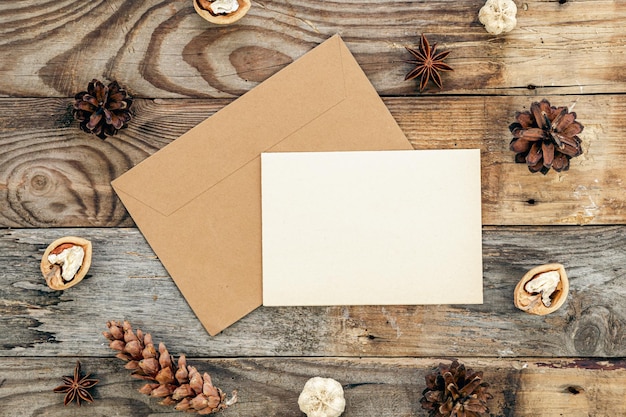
point(101, 109)
point(545, 137)
point(176, 383)
point(452, 390)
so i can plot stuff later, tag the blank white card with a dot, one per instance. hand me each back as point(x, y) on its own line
point(371, 228)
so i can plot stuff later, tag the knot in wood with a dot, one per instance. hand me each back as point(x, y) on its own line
point(40, 183)
point(597, 331)
point(586, 339)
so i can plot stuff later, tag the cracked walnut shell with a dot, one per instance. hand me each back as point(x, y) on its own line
point(65, 262)
point(219, 11)
point(542, 290)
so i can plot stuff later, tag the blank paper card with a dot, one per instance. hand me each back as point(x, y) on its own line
point(371, 228)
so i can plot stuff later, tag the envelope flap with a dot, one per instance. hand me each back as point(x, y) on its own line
point(239, 132)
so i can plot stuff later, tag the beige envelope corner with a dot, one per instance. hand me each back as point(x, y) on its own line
point(198, 200)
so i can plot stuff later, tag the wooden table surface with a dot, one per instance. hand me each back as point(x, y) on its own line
point(54, 181)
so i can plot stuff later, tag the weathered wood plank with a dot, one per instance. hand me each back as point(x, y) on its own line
point(373, 387)
point(126, 281)
point(52, 174)
point(164, 49)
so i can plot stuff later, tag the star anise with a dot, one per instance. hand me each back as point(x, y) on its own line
point(545, 137)
point(427, 63)
point(75, 387)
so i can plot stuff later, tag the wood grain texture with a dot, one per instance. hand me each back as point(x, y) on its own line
point(162, 49)
point(55, 181)
point(375, 387)
point(126, 281)
point(52, 174)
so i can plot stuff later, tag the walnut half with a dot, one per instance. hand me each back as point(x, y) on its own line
point(65, 262)
point(222, 12)
point(542, 290)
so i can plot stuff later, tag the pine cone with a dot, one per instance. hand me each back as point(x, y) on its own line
point(545, 137)
point(178, 384)
point(453, 391)
point(102, 110)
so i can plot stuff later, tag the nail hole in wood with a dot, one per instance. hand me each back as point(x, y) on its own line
point(575, 390)
point(562, 1)
point(531, 201)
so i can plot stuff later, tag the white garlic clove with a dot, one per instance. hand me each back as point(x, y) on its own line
point(498, 16)
point(322, 397)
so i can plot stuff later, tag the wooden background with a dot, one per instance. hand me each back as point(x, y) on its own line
point(54, 181)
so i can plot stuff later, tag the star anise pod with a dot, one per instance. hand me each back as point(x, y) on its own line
point(427, 63)
point(101, 109)
point(75, 387)
point(545, 137)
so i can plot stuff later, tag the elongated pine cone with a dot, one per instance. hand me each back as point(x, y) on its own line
point(453, 391)
point(545, 137)
point(178, 384)
point(101, 109)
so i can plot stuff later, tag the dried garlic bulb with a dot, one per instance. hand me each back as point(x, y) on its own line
point(322, 397)
point(542, 290)
point(66, 262)
point(498, 16)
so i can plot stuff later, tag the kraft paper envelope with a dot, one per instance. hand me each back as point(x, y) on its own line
point(198, 200)
point(358, 228)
